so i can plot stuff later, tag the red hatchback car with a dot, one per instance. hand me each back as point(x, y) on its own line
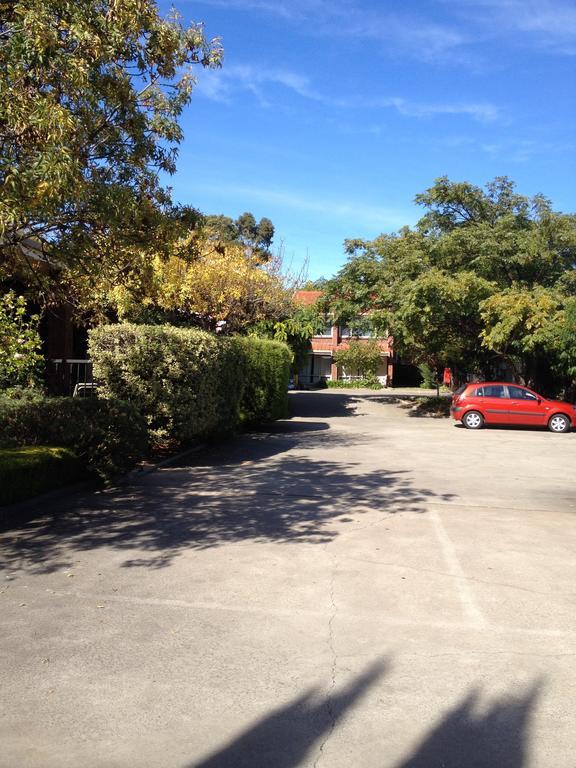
point(498, 402)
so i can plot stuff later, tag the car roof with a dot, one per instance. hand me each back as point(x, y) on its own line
point(501, 383)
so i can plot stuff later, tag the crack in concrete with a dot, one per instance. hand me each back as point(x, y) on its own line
point(333, 671)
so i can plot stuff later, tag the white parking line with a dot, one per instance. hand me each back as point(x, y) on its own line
point(469, 605)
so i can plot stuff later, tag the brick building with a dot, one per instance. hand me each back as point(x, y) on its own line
point(320, 363)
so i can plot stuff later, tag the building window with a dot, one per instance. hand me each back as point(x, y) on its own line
point(357, 332)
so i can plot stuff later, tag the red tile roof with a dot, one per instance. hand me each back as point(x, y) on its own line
point(307, 298)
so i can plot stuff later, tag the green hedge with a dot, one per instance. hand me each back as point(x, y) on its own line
point(358, 384)
point(188, 383)
point(107, 436)
point(26, 472)
point(266, 376)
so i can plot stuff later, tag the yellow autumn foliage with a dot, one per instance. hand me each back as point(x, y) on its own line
point(224, 283)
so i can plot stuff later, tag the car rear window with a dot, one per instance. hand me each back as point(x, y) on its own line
point(495, 390)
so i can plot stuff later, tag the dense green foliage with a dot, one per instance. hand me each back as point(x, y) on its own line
point(367, 383)
point(90, 96)
point(429, 377)
point(266, 366)
point(107, 436)
point(26, 472)
point(20, 358)
point(255, 237)
point(487, 277)
point(359, 358)
point(296, 331)
point(187, 382)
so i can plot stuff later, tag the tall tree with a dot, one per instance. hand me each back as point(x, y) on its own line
point(90, 95)
point(485, 274)
point(256, 237)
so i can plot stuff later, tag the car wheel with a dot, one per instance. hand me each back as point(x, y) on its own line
point(559, 423)
point(473, 420)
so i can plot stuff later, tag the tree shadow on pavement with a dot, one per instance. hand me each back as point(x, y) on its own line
point(323, 405)
point(284, 738)
point(493, 737)
point(225, 495)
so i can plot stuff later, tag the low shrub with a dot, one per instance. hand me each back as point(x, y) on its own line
point(188, 383)
point(27, 394)
point(20, 358)
point(107, 436)
point(360, 358)
point(356, 384)
point(428, 376)
point(437, 407)
point(26, 472)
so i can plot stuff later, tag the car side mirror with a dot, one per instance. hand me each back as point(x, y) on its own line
point(538, 400)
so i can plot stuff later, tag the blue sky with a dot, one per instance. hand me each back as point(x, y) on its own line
point(329, 116)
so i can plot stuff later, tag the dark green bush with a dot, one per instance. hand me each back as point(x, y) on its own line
point(26, 472)
point(28, 394)
point(429, 379)
point(188, 383)
point(433, 406)
point(108, 436)
point(266, 375)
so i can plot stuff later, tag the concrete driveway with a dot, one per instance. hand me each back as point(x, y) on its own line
point(356, 588)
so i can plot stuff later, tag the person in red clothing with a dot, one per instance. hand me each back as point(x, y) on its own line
point(447, 378)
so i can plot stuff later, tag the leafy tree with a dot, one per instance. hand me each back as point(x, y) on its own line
point(255, 237)
point(20, 358)
point(437, 319)
point(220, 288)
point(484, 274)
point(518, 323)
point(90, 95)
point(296, 331)
point(563, 335)
point(362, 358)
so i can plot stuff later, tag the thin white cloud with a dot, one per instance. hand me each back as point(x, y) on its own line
point(482, 111)
point(295, 10)
point(524, 150)
point(411, 33)
point(222, 85)
point(357, 212)
point(547, 24)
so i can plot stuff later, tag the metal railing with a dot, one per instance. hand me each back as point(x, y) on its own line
point(71, 377)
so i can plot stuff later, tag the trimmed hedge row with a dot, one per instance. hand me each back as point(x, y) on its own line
point(26, 472)
point(107, 436)
point(188, 383)
point(266, 369)
point(356, 384)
